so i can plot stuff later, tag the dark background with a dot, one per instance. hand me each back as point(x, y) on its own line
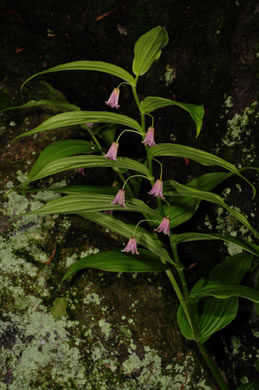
point(213, 47)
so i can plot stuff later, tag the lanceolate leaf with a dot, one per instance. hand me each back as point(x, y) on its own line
point(227, 291)
point(197, 155)
point(80, 117)
point(90, 161)
point(187, 237)
point(213, 198)
point(84, 206)
point(98, 66)
point(104, 190)
point(152, 103)
point(83, 202)
point(231, 271)
point(212, 314)
point(115, 261)
point(148, 49)
point(38, 103)
point(58, 150)
point(249, 386)
point(143, 237)
point(200, 156)
point(183, 208)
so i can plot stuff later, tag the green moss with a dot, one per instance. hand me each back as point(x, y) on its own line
point(59, 308)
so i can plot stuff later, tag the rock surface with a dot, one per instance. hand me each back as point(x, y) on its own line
point(103, 330)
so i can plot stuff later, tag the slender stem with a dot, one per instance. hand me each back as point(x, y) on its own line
point(129, 189)
point(161, 167)
point(143, 125)
point(103, 153)
point(142, 115)
point(190, 318)
point(186, 306)
point(180, 270)
point(213, 367)
point(160, 207)
point(94, 139)
point(127, 131)
point(180, 298)
point(149, 158)
point(209, 361)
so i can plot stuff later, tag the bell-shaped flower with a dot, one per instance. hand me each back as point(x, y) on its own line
point(120, 198)
point(112, 152)
point(157, 189)
point(164, 226)
point(131, 246)
point(108, 212)
point(80, 170)
point(114, 99)
point(149, 138)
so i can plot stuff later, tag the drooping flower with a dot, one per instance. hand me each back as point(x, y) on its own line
point(131, 247)
point(187, 162)
point(120, 198)
point(108, 212)
point(112, 152)
point(164, 226)
point(157, 189)
point(114, 99)
point(80, 170)
point(149, 139)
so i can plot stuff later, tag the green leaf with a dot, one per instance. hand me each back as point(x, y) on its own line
point(85, 208)
point(152, 103)
point(84, 202)
point(249, 386)
point(148, 49)
point(56, 151)
point(98, 66)
point(80, 117)
point(38, 103)
point(213, 198)
point(212, 314)
point(187, 237)
point(90, 161)
point(200, 156)
point(231, 270)
point(86, 189)
point(227, 291)
point(208, 181)
point(142, 236)
point(115, 261)
point(183, 208)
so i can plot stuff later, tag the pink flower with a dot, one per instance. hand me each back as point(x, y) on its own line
point(131, 247)
point(149, 139)
point(108, 212)
point(120, 198)
point(157, 189)
point(89, 124)
point(114, 98)
point(164, 226)
point(112, 152)
point(80, 170)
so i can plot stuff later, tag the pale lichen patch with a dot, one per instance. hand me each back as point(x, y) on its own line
point(47, 351)
point(105, 327)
